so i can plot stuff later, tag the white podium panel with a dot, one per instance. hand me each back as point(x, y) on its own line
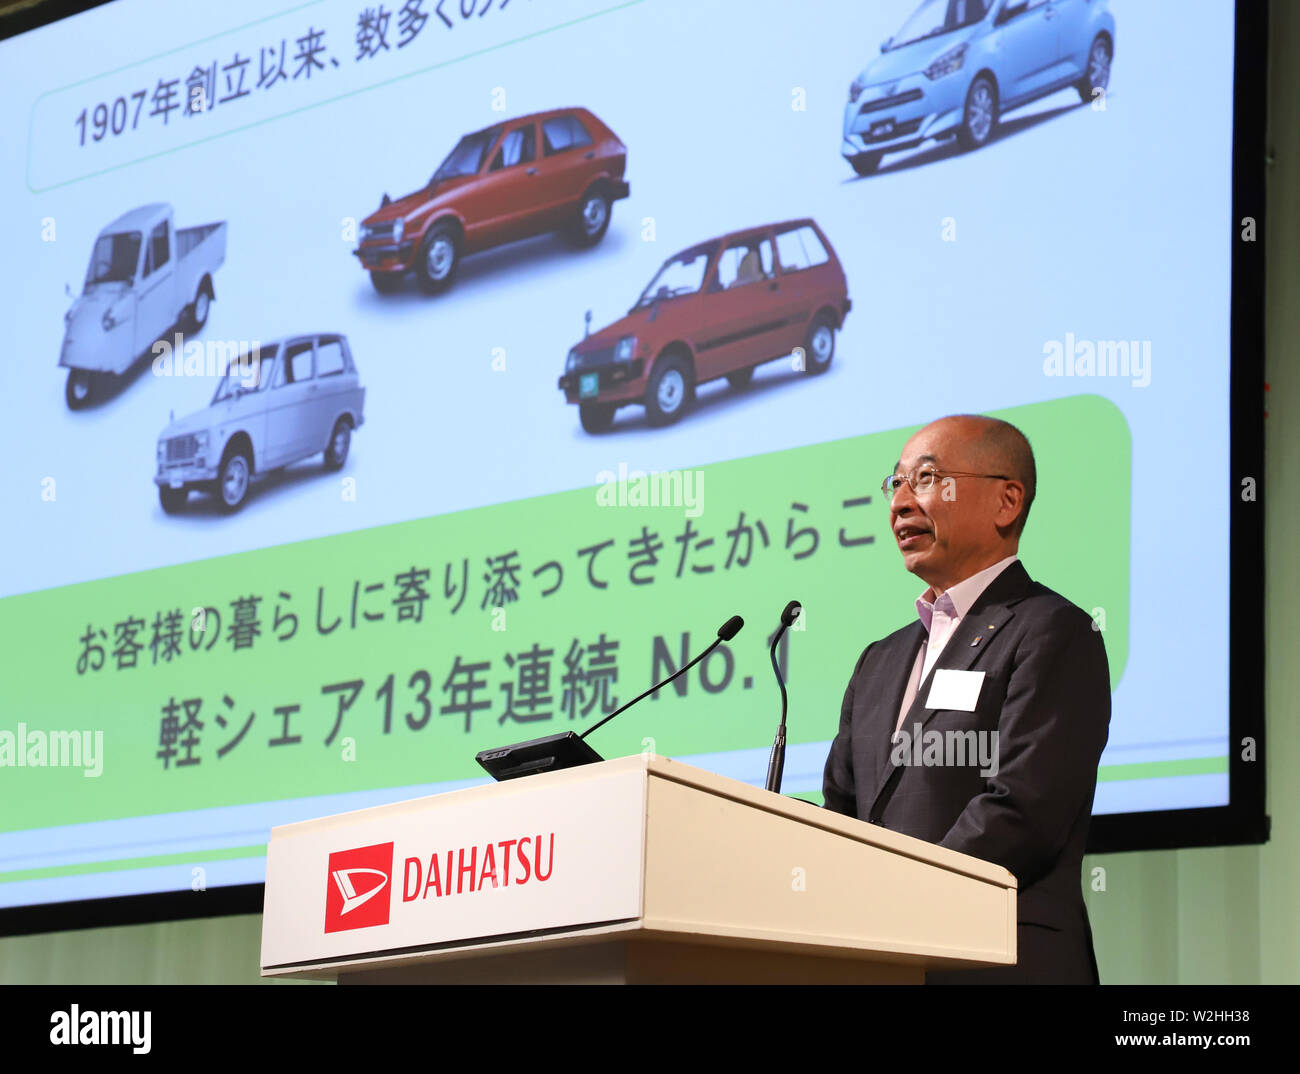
point(640, 869)
point(467, 865)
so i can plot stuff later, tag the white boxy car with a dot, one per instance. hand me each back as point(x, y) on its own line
point(276, 404)
point(145, 277)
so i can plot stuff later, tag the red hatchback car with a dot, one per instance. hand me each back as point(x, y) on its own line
point(717, 309)
point(551, 171)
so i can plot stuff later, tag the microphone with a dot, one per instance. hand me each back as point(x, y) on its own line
point(726, 632)
point(567, 749)
point(776, 763)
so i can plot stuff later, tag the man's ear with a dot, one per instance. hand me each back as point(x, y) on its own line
point(1011, 502)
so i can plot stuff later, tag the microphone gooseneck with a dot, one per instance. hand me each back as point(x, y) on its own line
point(776, 762)
point(726, 632)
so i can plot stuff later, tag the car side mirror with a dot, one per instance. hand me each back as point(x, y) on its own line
point(884, 45)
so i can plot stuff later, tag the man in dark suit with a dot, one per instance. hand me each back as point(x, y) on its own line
point(980, 725)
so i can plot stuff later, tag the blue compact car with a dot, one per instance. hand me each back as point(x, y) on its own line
point(956, 66)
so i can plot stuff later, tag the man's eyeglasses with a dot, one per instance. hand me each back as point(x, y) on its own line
point(922, 479)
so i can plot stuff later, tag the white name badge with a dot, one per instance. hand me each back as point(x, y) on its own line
point(957, 690)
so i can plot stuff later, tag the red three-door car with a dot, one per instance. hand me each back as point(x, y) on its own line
point(550, 171)
point(716, 309)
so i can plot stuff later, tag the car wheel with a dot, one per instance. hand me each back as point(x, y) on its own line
point(1097, 73)
point(671, 386)
point(592, 219)
point(741, 378)
point(199, 308)
point(386, 283)
point(172, 500)
point(336, 451)
point(436, 266)
point(866, 163)
point(80, 388)
point(596, 417)
point(232, 481)
point(819, 345)
point(980, 116)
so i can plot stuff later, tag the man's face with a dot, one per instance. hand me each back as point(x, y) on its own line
point(947, 532)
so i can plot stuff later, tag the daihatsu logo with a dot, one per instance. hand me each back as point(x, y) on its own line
point(351, 900)
point(356, 878)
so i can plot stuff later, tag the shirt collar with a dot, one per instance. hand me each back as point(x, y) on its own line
point(959, 599)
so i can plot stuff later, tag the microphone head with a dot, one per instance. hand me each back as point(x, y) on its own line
point(791, 612)
point(730, 628)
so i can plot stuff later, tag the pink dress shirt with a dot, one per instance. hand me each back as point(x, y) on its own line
point(940, 619)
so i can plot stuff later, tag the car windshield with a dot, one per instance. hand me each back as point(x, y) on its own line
point(682, 274)
point(114, 258)
point(936, 17)
point(467, 157)
point(250, 372)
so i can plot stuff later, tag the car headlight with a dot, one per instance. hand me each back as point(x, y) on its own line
point(397, 229)
point(855, 91)
point(201, 440)
point(573, 361)
point(624, 349)
point(946, 64)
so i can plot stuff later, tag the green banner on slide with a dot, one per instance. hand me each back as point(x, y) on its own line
point(390, 656)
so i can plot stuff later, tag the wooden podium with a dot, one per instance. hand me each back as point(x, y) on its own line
point(638, 870)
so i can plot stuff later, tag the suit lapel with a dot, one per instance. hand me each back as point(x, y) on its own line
point(891, 685)
point(967, 644)
point(987, 617)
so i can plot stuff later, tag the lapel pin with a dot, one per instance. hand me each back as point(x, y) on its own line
point(993, 626)
point(975, 641)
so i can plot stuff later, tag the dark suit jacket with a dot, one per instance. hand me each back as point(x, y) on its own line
point(1046, 691)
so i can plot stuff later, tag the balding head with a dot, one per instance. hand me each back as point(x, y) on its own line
point(998, 447)
point(971, 515)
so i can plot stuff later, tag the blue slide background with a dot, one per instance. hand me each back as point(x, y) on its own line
point(1109, 224)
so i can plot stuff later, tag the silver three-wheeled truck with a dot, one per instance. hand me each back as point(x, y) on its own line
point(145, 277)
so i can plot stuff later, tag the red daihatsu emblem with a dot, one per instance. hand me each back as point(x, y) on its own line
point(359, 888)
